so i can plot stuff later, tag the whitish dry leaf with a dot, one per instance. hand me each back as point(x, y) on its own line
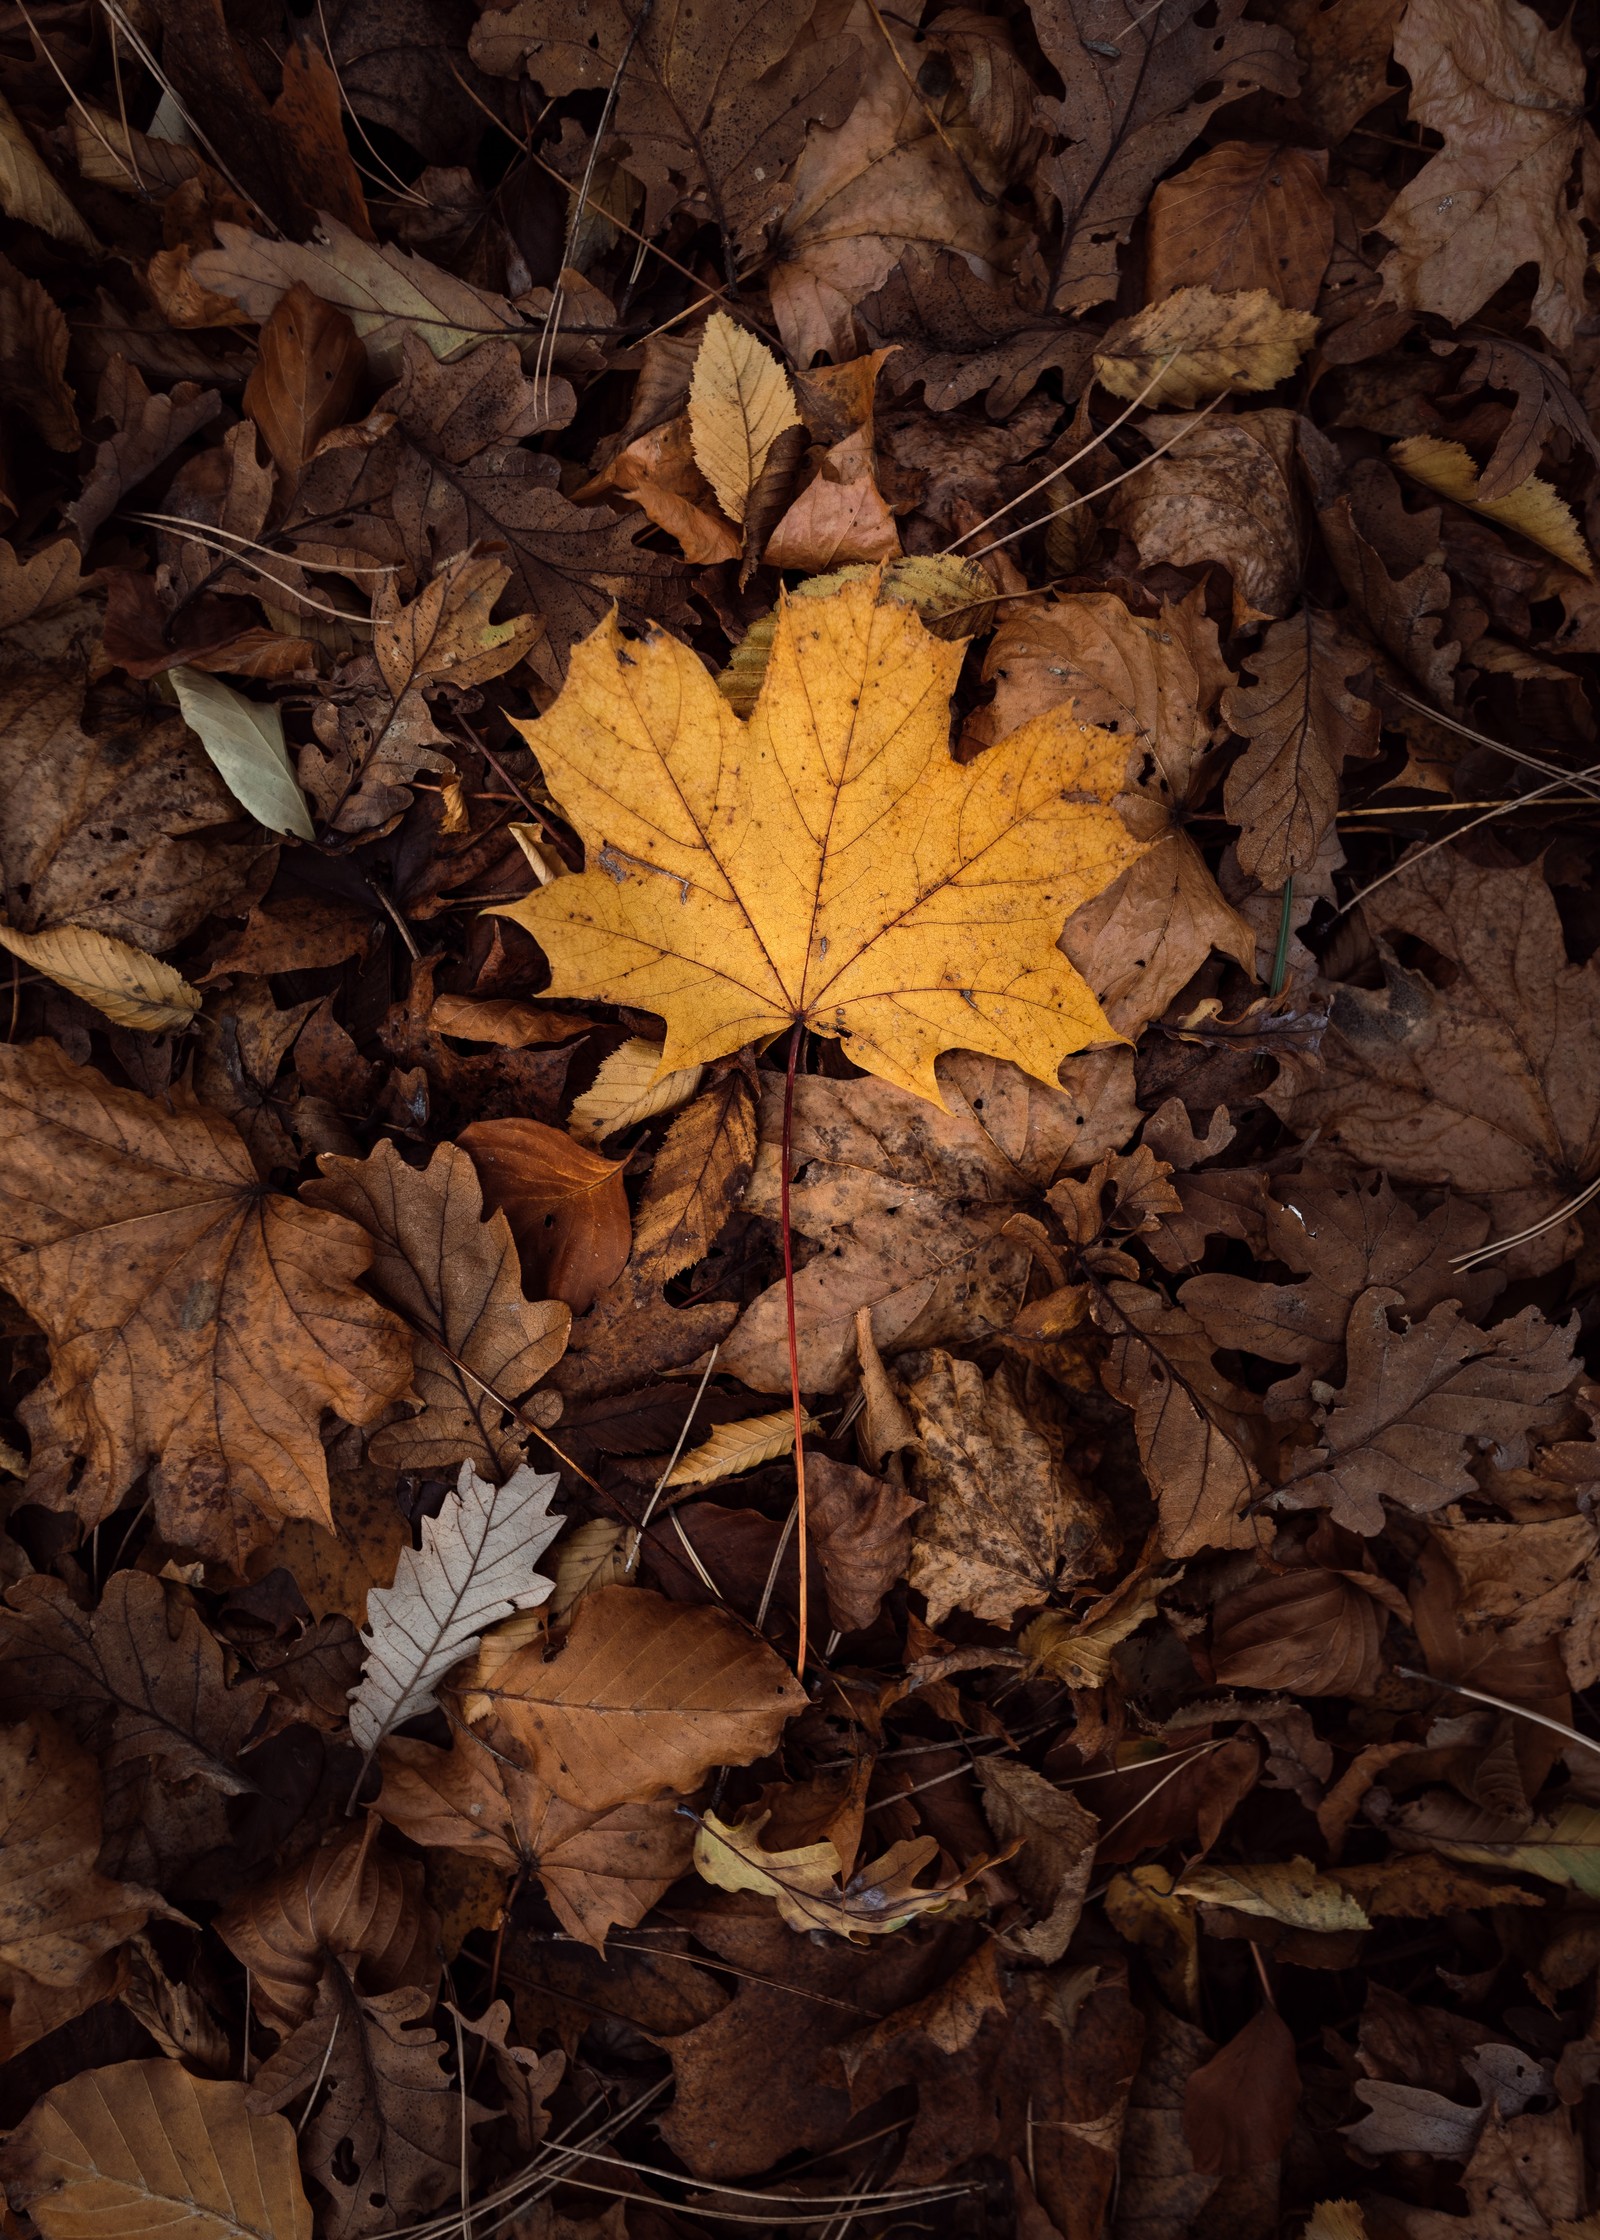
point(1533, 509)
point(244, 739)
point(128, 987)
point(474, 1567)
point(629, 1088)
point(1195, 344)
point(740, 402)
point(146, 2148)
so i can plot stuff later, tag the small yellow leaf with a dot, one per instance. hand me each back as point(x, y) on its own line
point(804, 1883)
point(733, 1447)
point(829, 863)
point(1342, 2220)
point(1287, 1890)
point(740, 402)
point(1079, 1651)
point(628, 1088)
point(1196, 344)
point(1534, 510)
point(130, 988)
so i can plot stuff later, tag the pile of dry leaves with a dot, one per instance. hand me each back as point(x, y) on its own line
point(800, 1124)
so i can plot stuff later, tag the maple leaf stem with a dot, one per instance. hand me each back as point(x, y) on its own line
point(795, 1033)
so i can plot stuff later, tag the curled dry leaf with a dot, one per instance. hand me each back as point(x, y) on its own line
point(630, 1087)
point(1223, 492)
point(809, 1886)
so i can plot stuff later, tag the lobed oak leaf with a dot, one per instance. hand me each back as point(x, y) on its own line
point(1485, 1084)
point(1137, 91)
point(144, 2146)
point(646, 1696)
point(1197, 343)
point(474, 1567)
point(147, 430)
point(830, 865)
point(1415, 1396)
point(49, 578)
point(1506, 92)
point(386, 2138)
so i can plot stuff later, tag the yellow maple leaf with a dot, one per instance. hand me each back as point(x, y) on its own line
point(829, 863)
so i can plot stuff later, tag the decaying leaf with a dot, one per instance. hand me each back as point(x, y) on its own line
point(805, 1884)
point(1197, 344)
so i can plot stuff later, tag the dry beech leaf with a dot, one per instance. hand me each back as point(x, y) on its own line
point(1291, 1891)
point(353, 1896)
point(29, 194)
point(564, 1203)
point(219, 1323)
point(924, 918)
point(128, 987)
point(306, 378)
point(474, 1567)
point(1239, 2107)
point(740, 402)
point(646, 1696)
point(1309, 1633)
point(1224, 492)
point(1244, 215)
point(1196, 344)
point(630, 1087)
point(733, 1447)
point(1532, 509)
point(145, 2147)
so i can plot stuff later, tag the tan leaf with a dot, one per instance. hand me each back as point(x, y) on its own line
point(147, 430)
point(504, 1021)
point(599, 1871)
point(1506, 92)
point(594, 1554)
point(385, 292)
point(219, 1320)
point(128, 987)
point(145, 2147)
point(60, 1921)
point(1055, 1861)
point(700, 1174)
point(1533, 509)
point(841, 515)
point(630, 1087)
point(646, 1697)
point(565, 1205)
point(353, 1896)
point(1006, 1523)
point(658, 471)
point(1303, 723)
point(50, 579)
point(29, 194)
point(1342, 2220)
point(309, 369)
point(451, 1270)
point(1246, 214)
point(733, 1447)
point(860, 1528)
point(1196, 344)
point(740, 402)
point(1289, 1890)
